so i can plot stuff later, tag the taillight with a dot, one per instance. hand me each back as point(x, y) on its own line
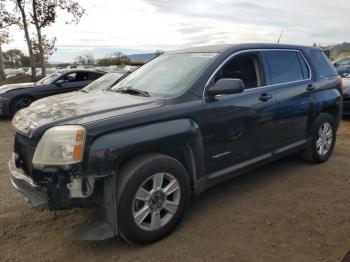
point(341, 83)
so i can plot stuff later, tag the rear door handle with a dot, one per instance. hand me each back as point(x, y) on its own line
point(311, 87)
point(265, 97)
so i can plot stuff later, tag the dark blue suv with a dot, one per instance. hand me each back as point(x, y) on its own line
point(183, 122)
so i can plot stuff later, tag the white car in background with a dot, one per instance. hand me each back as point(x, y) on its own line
point(14, 72)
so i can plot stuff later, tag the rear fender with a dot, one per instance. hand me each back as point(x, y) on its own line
point(329, 100)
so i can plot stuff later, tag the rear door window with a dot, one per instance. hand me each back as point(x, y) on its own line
point(94, 76)
point(286, 66)
point(82, 76)
point(324, 66)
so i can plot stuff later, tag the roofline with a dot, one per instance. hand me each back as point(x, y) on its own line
point(234, 47)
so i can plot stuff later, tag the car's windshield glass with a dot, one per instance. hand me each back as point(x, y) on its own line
point(345, 61)
point(102, 83)
point(48, 79)
point(167, 75)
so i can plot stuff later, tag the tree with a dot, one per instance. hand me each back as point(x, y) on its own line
point(7, 19)
point(15, 58)
point(117, 58)
point(47, 46)
point(44, 13)
point(21, 6)
point(12, 57)
point(4, 39)
point(87, 59)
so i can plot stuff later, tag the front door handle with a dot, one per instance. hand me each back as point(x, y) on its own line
point(311, 87)
point(265, 97)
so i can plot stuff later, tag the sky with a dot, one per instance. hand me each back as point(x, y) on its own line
point(138, 26)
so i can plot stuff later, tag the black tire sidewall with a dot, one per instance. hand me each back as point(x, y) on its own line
point(126, 223)
point(323, 118)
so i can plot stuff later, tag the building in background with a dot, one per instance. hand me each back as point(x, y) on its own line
point(337, 52)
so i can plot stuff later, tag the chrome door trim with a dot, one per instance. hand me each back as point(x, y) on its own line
point(258, 50)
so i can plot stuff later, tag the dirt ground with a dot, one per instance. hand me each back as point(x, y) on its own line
point(287, 211)
point(19, 79)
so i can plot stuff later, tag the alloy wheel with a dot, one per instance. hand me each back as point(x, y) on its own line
point(22, 103)
point(156, 201)
point(324, 138)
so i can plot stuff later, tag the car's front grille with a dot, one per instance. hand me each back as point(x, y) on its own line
point(25, 149)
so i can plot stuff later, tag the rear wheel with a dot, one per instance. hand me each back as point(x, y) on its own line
point(20, 103)
point(323, 139)
point(153, 195)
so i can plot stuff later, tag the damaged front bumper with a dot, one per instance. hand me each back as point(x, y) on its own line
point(33, 194)
point(36, 197)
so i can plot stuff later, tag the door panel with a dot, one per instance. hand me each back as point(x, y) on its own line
point(292, 112)
point(46, 90)
point(290, 77)
point(73, 86)
point(237, 127)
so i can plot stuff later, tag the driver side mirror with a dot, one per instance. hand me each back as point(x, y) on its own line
point(226, 86)
point(60, 82)
point(336, 64)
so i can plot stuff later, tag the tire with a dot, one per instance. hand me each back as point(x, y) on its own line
point(20, 103)
point(137, 217)
point(314, 152)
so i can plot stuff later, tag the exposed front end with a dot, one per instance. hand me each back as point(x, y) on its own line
point(49, 173)
point(34, 195)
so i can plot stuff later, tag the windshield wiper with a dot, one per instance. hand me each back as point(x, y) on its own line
point(133, 91)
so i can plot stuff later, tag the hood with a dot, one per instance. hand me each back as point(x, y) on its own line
point(80, 107)
point(9, 87)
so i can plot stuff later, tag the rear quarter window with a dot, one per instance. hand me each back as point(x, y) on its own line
point(324, 66)
point(286, 66)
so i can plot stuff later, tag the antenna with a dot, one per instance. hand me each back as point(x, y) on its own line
point(279, 39)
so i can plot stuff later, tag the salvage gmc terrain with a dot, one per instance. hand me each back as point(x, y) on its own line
point(183, 122)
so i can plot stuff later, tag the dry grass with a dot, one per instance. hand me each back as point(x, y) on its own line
point(19, 79)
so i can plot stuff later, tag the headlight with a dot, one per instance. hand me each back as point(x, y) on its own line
point(60, 146)
point(23, 124)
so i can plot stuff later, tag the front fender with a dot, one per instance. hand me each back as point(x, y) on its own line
point(110, 150)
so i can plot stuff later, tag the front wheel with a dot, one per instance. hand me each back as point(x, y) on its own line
point(323, 139)
point(20, 103)
point(153, 195)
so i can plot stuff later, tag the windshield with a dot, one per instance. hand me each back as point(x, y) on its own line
point(103, 82)
point(48, 79)
point(167, 75)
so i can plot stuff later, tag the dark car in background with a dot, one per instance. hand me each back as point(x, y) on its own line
point(343, 66)
point(66, 102)
point(14, 97)
point(346, 94)
point(103, 83)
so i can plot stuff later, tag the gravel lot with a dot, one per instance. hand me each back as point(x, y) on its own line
point(287, 211)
